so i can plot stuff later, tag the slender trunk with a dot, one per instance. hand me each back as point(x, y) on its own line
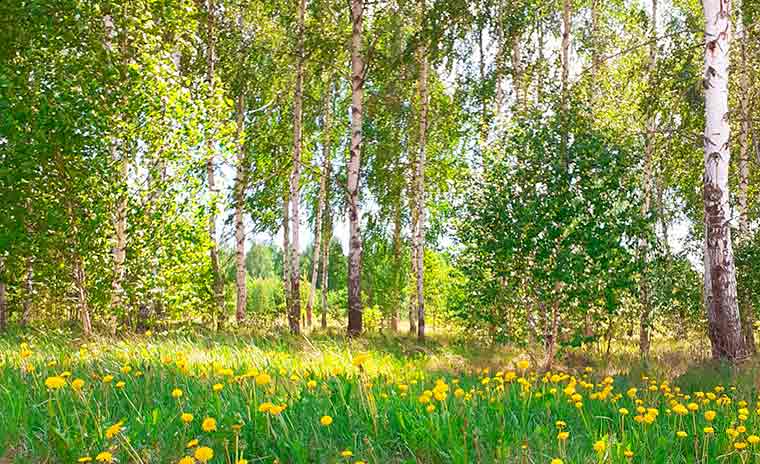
point(483, 103)
point(541, 62)
point(3, 301)
point(286, 250)
point(28, 293)
point(80, 283)
point(419, 236)
point(564, 103)
point(120, 212)
point(517, 72)
point(745, 309)
point(647, 176)
point(240, 183)
point(397, 264)
point(720, 274)
point(213, 191)
point(413, 293)
point(595, 51)
point(295, 180)
point(327, 236)
point(326, 152)
point(354, 164)
point(550, 334)
point(499, 65)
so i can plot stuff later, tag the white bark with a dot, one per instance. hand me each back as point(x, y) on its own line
point(241, 179)
point(212, 188)
point(295, 180)
point(720, 274)
point(354, 166)
point(647, 177)
point(419, 233)
point(326, 152)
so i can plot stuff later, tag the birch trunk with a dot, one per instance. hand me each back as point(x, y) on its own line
point(295, 180)
point(595, 51)
point(419, 233)
point(746, 311)
point(240, 184)
point(397, 265)
point(517, 73)
point(326, 265)
point(80, 283)
point(28, 293)
point(120, 213)
point(647, 176)
point(413, 295)
point(326, 152)
point(213, 190)
point(566, 31)
point(286, 250)
point(354, 164)
point(720, 274)
point(3, 300)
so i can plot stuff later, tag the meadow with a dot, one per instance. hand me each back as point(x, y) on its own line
point(196, 398)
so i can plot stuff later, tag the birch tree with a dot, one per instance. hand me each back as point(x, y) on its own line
point(354, 167)
point(294, 314)
point(326, 154)
point(724, 324)
point(218, 282)
point(419, 191)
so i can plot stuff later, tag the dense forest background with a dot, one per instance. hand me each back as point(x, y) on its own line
point(522, 170)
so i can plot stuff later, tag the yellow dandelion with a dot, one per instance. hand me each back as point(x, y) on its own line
point(54, 383)
point(263, 379)
point(77, 384)
point(204, 454)
point(186, 417)
point(104, 456)
point(326, 420)
point(209, 424)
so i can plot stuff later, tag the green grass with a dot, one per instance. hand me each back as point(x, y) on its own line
point(376, 409)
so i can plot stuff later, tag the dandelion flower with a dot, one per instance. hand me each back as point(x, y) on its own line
point(77, 384)
point(85, 459)
point(176, 393)
point(600, 446)
point(346, 453)
point(681, 434)
point(557, 461)
point(192, 443)
point(104, 456)
point(740, 445)
point(114, 430)
point(263, 379)
point(217, 387)
point(209, 424)
point(753, 439)
point(710, 415)
point(186, 460)
point(204, 454)
point(326, 420)
point(186, 417)
point(54, 383)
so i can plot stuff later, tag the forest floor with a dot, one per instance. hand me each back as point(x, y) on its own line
point(195, 397)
